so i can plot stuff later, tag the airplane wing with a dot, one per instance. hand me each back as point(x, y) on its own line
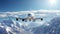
point(39, 19)
point(23, 19)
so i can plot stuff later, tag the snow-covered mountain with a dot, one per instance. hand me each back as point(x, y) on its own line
point(52, 28)
point(9, 27)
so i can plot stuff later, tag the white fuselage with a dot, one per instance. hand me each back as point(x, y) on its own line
point(30, 17)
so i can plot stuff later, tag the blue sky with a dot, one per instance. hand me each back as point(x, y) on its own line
point(22, 5)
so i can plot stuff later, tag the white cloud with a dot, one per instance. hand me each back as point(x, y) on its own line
point(4, 14)
point(32, 11)
point(49, 11)
point(41, 15)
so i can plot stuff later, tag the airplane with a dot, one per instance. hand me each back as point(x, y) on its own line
point(30, 17)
